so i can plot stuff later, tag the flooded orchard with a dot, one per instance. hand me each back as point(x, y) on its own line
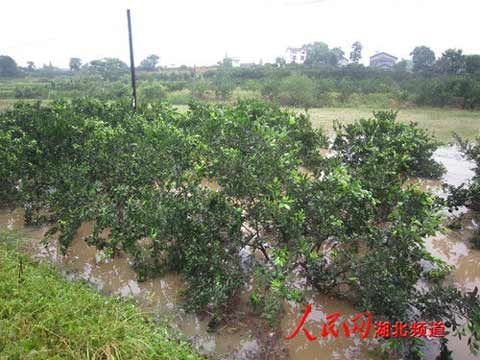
point(241, 337)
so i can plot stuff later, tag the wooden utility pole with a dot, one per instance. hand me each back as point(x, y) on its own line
point(132, 62)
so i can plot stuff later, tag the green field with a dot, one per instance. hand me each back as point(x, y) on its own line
point(443, 122)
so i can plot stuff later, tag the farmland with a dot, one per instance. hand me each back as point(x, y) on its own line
point(442, 122)
point(134, 181)
point(231, 198)
point(186, 190)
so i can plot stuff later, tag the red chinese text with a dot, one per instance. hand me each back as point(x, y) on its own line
point(361, 325)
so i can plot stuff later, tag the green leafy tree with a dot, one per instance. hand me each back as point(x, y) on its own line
point(357, 143)
point(297, 91)
point(149, 63)
point(339, 54)
point(472, 64)
point(280, 62)
point(452, 62)
point(75, 64)
point(423, 59)
point(223, 83)
point(270, 89)
point(227, 62)
point(318, 53)
point(152, 92)
point(401, 66)
point(8, 66)
point(356, 53)
point(108, 68)
point(30, 65)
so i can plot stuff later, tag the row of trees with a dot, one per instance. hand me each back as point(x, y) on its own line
point(148, 64)
point(293, 85)
point(424, 61)
point(452, 62)
point(451, 80)
point(108, 67)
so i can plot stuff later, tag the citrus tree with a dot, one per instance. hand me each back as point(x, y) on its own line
point(227, 195)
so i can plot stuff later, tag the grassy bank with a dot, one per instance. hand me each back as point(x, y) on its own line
point(44, 316)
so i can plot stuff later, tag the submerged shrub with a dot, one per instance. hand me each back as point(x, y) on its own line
point(197, 192)
point(382, 141)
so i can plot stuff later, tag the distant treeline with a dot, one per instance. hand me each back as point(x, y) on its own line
point(452, 80)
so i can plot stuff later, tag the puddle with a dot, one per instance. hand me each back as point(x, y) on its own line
point(454, 248)
point(459, 170)
point(241, 340)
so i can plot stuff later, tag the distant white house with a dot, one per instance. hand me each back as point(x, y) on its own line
point(383, 60)
point(295, 55)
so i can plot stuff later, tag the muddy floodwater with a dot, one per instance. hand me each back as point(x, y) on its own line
point(241, 338)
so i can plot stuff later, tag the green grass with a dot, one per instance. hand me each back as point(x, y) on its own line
point(442, 122)
point(44, 316)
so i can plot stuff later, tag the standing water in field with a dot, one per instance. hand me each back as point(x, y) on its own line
point(459, 170)
point(241, 338)
point(452, 246)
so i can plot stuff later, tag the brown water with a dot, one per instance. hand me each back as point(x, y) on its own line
point(341, 347)
point(243, 338)
point(114, 276)
point(455, 248)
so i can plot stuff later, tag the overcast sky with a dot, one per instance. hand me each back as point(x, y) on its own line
point(202, 31)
